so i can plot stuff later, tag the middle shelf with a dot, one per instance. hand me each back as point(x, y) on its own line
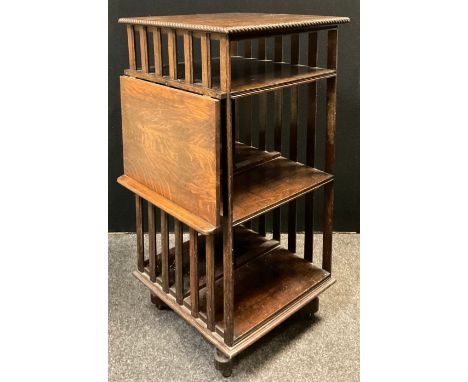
point(271, 181)
point(262, 181)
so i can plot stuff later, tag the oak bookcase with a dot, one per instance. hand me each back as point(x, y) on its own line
point(186, 160)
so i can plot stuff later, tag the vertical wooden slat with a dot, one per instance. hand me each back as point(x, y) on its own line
point(157, 51)
point(247, 48)
point(293, 144)
point(247, 108)
point(294, 49)
point(234, 48)
point(278, 54)
point(188, 57)
point(179, 276)
point(310, 149)
point(228, 263)
point(210, 283)
point(330, 153)
point(278, 106)
point(194, 272)
point(293, 157)
point(262, 112)
point(206, 60)
point(165, 251)
point(143, 49)
point(152, 242)
point(261, 48)
point(131, 47)
point(139, 233)
point(172, 53)
point(332, 47)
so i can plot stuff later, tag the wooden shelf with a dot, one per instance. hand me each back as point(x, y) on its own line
point(248, 246)
point(170, 207)
point(249, 76)
point(271, 184)
point(267, 285)
point(247, 157)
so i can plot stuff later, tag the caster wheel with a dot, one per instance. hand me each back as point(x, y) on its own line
point(159, 303)
point(223, 364)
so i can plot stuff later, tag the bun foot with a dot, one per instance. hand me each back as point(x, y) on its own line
point(159, 303)
point(312, 308)
point(223, 364)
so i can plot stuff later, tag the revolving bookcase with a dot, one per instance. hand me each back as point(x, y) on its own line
point(194, 156)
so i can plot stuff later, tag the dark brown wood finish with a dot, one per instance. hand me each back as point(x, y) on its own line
point(206, 59)
point(188, 57)
point(293, 143)
point(272, 184)
point(193, 272)
point(240, 24)
point(228, 261)
point(131, 47)
point(165, 251)
point(143, 48)
point(330, 152)
point(152, 242)
point(172, 53)
point(179, 272)
point(186, 124)
point(249, 284)
point(269, 282)
point(139, 233)
point(310, 149)
point(157, 50)
point(210, 282)
point(278, 105)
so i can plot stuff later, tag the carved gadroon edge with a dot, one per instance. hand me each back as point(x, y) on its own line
point(237, 29)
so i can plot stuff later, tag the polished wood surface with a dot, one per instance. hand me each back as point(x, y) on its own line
point(237, 23)
point(271, 184)
point(170, 207)
point(168, 132)
point(265, 286)
point(182, 154)
point(265, 75)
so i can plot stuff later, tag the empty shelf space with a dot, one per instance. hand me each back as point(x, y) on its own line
point(248, 246)
point(247, 157)
point(268, 185)
point(248, 76)
point(265, 288)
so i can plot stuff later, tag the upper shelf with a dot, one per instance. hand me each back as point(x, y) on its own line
point(235, 24)
point(248, 76)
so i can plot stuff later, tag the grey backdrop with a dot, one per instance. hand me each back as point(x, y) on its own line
point(121, 202)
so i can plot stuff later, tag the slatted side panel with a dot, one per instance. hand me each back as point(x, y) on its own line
point(152, 241)
point(131, 47)
point(278, 110)
point(210, 283)
point(157, 50)
point(292, 207)
point(206, 59)
point(179, 271)
point(165, 251)
point(262, 113)
point(310, 148)
point(188, 57)
point(139, 233)
point(330, 151)
point(194, 283)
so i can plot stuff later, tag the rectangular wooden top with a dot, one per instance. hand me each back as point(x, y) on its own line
point(236, 23)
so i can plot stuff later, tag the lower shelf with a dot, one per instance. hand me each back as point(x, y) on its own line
point(270, 284)
point(265, 285)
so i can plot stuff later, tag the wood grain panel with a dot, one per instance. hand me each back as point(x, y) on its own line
point(168, 132)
